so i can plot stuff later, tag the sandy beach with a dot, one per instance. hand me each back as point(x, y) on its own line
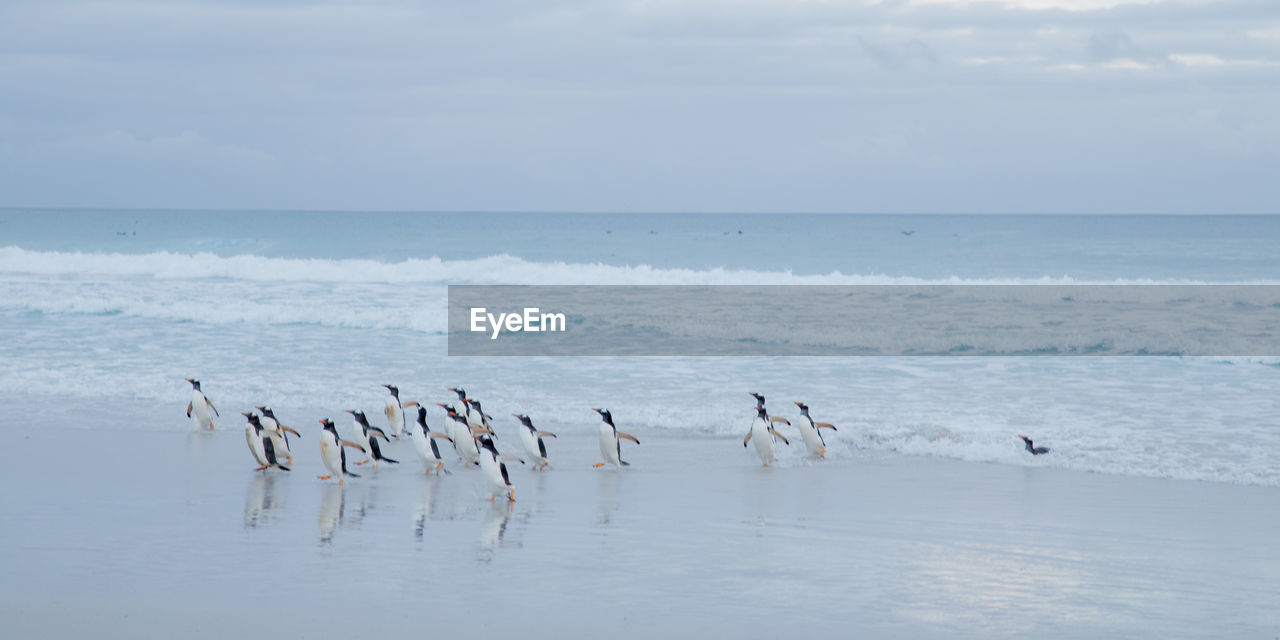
point(116, 533)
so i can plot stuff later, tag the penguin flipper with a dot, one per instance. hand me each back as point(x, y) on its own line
point(826, 425)
point(624, 434)
point(780, 437)
point(780, 419)
point(353, 445)
point(280, 466)
point(624, 462)
point(377, 453)
point(379, 432)
point(546, 434)
point(746, 439)
point(215, 409)
point(188, 409)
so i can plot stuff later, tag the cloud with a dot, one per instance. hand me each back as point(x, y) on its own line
point(642, 105)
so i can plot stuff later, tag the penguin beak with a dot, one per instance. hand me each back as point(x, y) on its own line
point(351, 412)
point(595, 410)
point(246, 414)
point(799, 404)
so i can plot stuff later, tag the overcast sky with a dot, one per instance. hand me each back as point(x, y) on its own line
point(667, 105)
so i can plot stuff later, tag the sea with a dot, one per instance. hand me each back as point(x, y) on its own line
point(103, 313)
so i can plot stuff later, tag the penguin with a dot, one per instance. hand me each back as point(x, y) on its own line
point(424, 441)
point(394, 411)
point(460, 431)
point(532, 440)
point(1032, 449)
point(495, 471)
point(476, 417)
point(276, 431)
point(462, 401)
point(610, 443)
point(371, 435)
point(809, 432)
point(260, 445)
point(332, 452)
point(200, 407)
point(763, 432)
point(760, 405)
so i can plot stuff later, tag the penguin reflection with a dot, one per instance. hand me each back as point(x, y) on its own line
point(426, 507)
point(260, 499)
point(332, 506)
point(494, 528)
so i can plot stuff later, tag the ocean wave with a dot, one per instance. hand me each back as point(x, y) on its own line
point(497, 269)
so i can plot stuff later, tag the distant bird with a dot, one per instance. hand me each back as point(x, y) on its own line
point(200, 406)
point(276, 431)
point(394, 412)
point(260, 445)
point(763, 432)
point(907, 233)
point(424, 441)
point(371, 434)
point(1034, 450)
point(809, 432)
point(332, 453)
point(532, 440)
point(611, 441)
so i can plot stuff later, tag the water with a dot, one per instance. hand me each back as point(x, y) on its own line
point(311, 312)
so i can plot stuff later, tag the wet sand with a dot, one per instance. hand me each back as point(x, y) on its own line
point(121, 532)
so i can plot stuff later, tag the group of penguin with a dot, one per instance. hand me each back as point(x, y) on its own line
point(469, 431)
point(471, 434)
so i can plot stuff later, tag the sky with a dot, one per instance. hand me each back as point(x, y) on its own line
point(944, 106)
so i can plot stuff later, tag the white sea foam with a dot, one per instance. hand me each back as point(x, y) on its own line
point(498, 269)
point(276, 330)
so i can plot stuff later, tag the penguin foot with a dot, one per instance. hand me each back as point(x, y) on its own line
point(324, 477)
point(261, 468)
point(822, 453)
point(511, 496)
point(598, 465)
point(361, 462)
point(491, 498)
